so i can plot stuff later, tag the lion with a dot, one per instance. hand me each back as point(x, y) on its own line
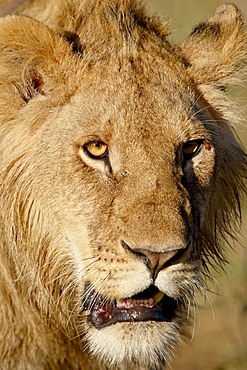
point(121, 178)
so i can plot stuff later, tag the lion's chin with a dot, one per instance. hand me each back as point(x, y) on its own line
point(149, 305)
point(134, 345)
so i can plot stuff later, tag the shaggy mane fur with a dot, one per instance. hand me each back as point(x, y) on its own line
point(79, 232)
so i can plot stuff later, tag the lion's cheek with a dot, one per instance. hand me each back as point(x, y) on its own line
point(78, 245)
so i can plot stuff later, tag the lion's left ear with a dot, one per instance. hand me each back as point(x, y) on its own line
point(33, 60)
point(216, 48)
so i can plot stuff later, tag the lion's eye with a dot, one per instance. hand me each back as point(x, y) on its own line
point(191, 148)
point(96, 149)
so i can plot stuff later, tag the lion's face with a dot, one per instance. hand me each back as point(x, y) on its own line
point(118, 183)
point(130, 194)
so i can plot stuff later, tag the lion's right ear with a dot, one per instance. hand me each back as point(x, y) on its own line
point(33, 60)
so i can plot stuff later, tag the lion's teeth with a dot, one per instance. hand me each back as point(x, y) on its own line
point(126, 303)
point(158, 296)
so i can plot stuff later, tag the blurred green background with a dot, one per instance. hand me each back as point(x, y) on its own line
point(220, 338)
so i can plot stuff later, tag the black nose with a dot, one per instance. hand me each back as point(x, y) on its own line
point(155, 261)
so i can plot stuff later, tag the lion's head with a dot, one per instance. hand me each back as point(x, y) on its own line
point(120, 178)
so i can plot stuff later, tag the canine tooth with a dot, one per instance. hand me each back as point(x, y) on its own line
point(129, 302)
point(158, 296)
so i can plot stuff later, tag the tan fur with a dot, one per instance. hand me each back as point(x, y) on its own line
point(104, 70)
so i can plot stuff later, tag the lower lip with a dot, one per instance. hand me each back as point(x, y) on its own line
point(106, 316)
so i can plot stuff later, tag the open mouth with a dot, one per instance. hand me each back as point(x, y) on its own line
point(150, 304)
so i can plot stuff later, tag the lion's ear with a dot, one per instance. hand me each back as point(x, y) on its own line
point(33, 60)
point(216, 48)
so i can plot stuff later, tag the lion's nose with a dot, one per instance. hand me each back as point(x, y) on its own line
point(155, 261)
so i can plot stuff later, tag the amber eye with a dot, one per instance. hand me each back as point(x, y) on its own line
point(191, 148)
point(96, 149)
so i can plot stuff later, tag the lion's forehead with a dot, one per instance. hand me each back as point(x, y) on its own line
point(137, 112)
